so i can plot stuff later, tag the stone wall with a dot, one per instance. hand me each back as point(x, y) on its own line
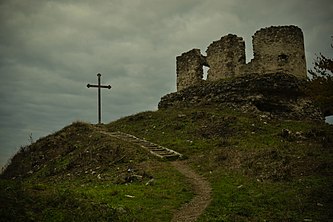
point(225, 57)
point(276, 49)
point(189, 69)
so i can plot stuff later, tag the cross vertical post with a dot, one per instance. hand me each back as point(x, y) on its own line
point(99, 86)
point(99, 98)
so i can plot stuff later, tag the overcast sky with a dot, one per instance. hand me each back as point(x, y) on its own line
point(51, 49)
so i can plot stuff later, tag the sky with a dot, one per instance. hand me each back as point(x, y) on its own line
point(51, 49)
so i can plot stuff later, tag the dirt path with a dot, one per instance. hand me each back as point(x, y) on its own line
point(192, 210)
point(202, 190)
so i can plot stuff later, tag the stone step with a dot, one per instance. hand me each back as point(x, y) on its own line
point(156, 150)
point(171, 157)
point(164, 152)
point(153, 147)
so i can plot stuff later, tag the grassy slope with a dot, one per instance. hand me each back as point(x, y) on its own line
point(258, 170)
point(78, 174)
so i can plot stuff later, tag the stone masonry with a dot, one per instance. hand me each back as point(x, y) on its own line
point(225, 57)
point(275, 49)
point(189, 68)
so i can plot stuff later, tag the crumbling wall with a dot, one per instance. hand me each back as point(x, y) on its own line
point(276, 49)
point(225, 57)
point(189, 69)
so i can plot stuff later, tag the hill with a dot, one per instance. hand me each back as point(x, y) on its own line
point(261, 165)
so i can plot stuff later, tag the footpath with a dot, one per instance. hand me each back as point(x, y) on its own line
point(190, 211)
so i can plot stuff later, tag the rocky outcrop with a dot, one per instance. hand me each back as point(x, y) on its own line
point(278, 95)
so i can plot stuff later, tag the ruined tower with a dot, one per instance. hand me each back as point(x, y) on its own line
point(278, 49)
point(275, 49)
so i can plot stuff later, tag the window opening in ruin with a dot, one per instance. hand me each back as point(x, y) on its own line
point(249, 54)
point(282, 58)
point(205, 72)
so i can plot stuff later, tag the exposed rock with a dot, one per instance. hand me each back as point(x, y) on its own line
point(278, 95)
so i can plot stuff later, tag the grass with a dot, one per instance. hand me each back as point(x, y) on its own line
point(82, 199)
point(82, 175)
point(239, 198)
point(260, 169)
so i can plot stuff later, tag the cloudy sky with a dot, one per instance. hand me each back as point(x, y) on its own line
point(51, 49)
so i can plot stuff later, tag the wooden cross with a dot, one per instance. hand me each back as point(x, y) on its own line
point(99, 86)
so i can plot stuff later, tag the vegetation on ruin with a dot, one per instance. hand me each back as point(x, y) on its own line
point(260, 169)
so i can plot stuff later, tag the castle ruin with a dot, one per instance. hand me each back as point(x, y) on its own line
point(275, 49)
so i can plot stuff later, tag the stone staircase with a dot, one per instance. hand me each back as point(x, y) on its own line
point(156, 150)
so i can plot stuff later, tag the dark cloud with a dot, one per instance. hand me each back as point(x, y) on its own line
point(50, 50)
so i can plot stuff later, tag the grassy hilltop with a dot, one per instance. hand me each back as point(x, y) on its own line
point(260, 169)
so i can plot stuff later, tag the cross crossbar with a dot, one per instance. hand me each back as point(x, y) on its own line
point(96, 86)
point(99, 86)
